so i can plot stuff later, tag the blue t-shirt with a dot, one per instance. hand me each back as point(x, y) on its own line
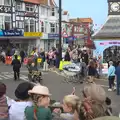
point(117, 72)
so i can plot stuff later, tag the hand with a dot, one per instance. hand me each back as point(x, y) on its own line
point(57, 110)
point(73, 92)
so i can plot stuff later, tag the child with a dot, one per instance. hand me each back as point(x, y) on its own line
point(3, 102)
point(71, 106)
point(40, 111)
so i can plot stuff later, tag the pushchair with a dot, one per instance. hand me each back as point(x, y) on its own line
point(34, 76)
point(72, 73)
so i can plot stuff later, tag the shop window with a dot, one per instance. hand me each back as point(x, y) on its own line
point(32, 25)
point(29, 7)
point(53, 12)
point(52, 27)
point(18, 6)
point(7, 2)
point(26, 28)
point(8, 23)
point(42, 27)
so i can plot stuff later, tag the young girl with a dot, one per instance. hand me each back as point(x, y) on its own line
point(40, 111)
point(71, 105)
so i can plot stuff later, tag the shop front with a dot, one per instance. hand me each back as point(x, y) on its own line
point(19, 39)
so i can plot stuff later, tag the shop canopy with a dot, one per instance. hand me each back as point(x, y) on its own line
point(19, 38)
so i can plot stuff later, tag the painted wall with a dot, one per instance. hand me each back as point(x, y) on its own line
point(101, 45)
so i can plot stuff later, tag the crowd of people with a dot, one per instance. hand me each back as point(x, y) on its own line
point(33, 103)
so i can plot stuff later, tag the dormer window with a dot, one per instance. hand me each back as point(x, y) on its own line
point(53, 12)
point(18, 6)
point(29, 7)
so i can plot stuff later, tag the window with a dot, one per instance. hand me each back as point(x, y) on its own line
point(26, 28)
point(47, 12)
point(8, 23)
point(52, 28)
point(1, 22)
point(42, 27)
point(19, 24)
point(7, 2)
point(32, 25)
point(53, 12)
point(19, 6)
point(29, 7)
point(42, 10)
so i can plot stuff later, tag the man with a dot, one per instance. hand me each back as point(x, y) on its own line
point(22, 55)
point(111, 76)
point(117, 72)
point(16, 68)
point(85, 56)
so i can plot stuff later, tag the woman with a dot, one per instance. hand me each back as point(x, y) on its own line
point(39, 111)
point(91, 71)
point(94, 102)
point(111, 76)
point(16, 111)
point(3, 102)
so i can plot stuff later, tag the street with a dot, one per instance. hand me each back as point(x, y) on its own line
point(56, 84)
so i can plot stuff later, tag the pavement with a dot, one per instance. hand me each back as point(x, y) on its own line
point(56, 84)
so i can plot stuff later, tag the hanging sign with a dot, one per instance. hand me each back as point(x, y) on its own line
point(53, 35)
point(5, 9)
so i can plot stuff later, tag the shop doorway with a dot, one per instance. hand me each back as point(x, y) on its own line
point(112, 54)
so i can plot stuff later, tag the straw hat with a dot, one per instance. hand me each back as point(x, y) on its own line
point(38, 89)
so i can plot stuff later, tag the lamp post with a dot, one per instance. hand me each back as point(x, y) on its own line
point(60, 30)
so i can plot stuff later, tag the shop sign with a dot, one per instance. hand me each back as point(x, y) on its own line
point(12, 33)
point(5, 9)
point(53, 35)
point(33, 34)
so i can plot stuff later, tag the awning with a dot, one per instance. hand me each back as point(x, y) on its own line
point(18, 38)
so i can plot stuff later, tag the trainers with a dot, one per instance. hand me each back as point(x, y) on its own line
point(109, 90)
point(114, 88)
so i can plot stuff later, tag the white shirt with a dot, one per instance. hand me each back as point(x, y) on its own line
point(16, 111)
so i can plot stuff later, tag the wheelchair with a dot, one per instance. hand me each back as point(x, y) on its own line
point(35, 76)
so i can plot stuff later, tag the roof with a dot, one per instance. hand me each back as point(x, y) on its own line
point(42, 2)
point(83, 20)
point(111, 28)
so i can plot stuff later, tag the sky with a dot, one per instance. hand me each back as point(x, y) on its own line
point(96, 9)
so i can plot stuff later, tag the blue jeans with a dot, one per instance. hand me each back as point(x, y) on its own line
point(118, 87)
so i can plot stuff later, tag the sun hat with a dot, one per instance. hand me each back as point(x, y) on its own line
point(2, 89)
point(21, 91)
point(107, 118)
point(39, 89)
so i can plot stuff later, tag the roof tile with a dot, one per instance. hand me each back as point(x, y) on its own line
point(110, 29)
